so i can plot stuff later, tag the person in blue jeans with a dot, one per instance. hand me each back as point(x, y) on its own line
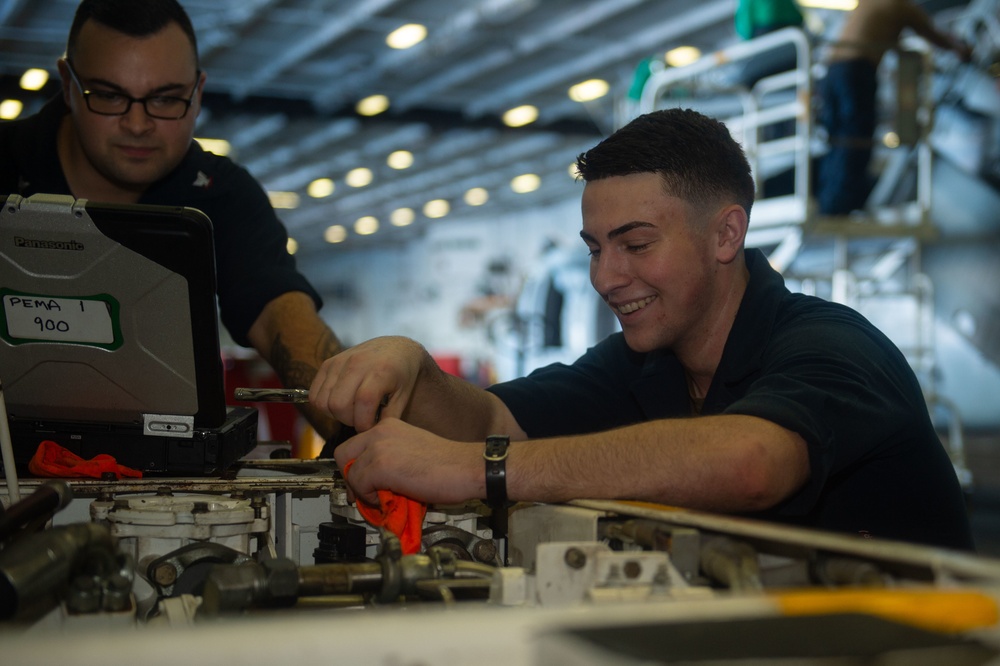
point(849, 110)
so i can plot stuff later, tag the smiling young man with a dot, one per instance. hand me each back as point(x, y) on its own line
point(122, 132)
point(723, 392)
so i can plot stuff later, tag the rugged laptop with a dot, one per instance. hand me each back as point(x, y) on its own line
point(109, 339)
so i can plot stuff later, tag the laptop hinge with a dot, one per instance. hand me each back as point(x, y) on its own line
point(168, 425)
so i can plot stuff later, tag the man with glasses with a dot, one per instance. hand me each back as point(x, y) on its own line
point(122, 132)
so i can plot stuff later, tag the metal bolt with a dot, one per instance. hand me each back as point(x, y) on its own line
point(165, 574)
point(575, 558)
point(485, 550)
point(632, 569)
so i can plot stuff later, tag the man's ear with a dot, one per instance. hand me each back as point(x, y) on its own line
point(199, 90)
point(731, 229)
point(66, 79)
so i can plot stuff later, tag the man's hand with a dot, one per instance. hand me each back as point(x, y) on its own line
point(415, 463)
point(353, 385)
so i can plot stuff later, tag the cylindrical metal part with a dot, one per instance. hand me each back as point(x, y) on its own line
point(343, 578)
point(846, 571)
point(232, 587)
point(731, 562)
point(35, 568)
point(41, 504)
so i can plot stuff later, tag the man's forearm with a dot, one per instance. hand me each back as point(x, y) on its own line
point(724, 463)
point(292, 338)
point(456, 409)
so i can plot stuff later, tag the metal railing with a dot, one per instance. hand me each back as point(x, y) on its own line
point(780, 98)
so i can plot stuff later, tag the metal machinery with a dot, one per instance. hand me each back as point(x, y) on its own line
point(273, 564)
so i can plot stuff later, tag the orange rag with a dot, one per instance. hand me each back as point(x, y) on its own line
point(400, 515)
point(50, 459)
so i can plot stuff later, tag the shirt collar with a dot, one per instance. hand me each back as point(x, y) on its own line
point(754, 321)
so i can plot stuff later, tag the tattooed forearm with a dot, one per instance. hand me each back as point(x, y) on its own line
point(298, 373)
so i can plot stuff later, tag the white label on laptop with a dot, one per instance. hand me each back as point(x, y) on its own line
point(52, 319)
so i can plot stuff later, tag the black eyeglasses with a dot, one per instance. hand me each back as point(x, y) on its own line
point(109, 103)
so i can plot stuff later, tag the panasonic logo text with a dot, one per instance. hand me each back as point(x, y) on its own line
point(47, 244)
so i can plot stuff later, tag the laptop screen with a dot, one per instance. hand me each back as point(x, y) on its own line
point(108, 313)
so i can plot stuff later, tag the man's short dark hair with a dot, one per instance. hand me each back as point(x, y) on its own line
point(136, 18)
point(696, 156)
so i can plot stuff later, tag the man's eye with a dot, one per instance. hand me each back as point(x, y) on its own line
point(109, 97)
point(163, 102)
point(637, 247)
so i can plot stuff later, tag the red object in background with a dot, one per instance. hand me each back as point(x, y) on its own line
point(52, 460)
point(450, 364)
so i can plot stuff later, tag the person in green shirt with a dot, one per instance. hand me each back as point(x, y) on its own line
point(759, 17)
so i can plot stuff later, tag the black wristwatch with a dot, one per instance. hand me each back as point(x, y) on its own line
point(495, 456)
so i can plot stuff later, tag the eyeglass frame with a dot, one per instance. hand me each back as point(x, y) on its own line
point(86, 93)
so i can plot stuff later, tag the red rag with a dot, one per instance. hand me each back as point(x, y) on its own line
point(400, 515)
point(53, 460)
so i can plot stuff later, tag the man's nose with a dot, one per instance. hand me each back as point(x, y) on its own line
point(608, 272)
point(136, 120)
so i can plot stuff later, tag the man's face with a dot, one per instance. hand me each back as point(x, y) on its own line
point(650, 262)
point(134, 150)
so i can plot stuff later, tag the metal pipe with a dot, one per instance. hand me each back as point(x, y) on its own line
point(733, 563)
point(7, 451)
point(40, 505)
point(34, 569)
point(341, 578)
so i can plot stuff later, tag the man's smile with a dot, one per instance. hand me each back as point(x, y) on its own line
point(628, 308)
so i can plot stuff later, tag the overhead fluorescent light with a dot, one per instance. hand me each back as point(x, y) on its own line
point(682, 56)
point(366, 226)
point(320, 188)
point(10, 109)
point(284, 200)
point(838, 5)
point(335, 234)
point(476, 196)
point(526, 182)
point(406, 36)
point(359, 177)
point(372, 105)
point(589, 90)
point(34, 79)
point(402, 217)
point(400, 159)
point(520, 116)
point(437, 208)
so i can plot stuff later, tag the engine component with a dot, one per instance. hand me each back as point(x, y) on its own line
point(731, 562)
point(340, 541)
point(279, 582)
point(37, 569)
point(177, 573)
point(34, 510)
point(149, 526)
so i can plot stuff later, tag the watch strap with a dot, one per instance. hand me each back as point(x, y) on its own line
point(495, 456)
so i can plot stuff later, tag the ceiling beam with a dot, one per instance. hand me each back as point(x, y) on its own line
point(457, 31)
point(523, 47)
point(637, 46)
point(301, 49)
